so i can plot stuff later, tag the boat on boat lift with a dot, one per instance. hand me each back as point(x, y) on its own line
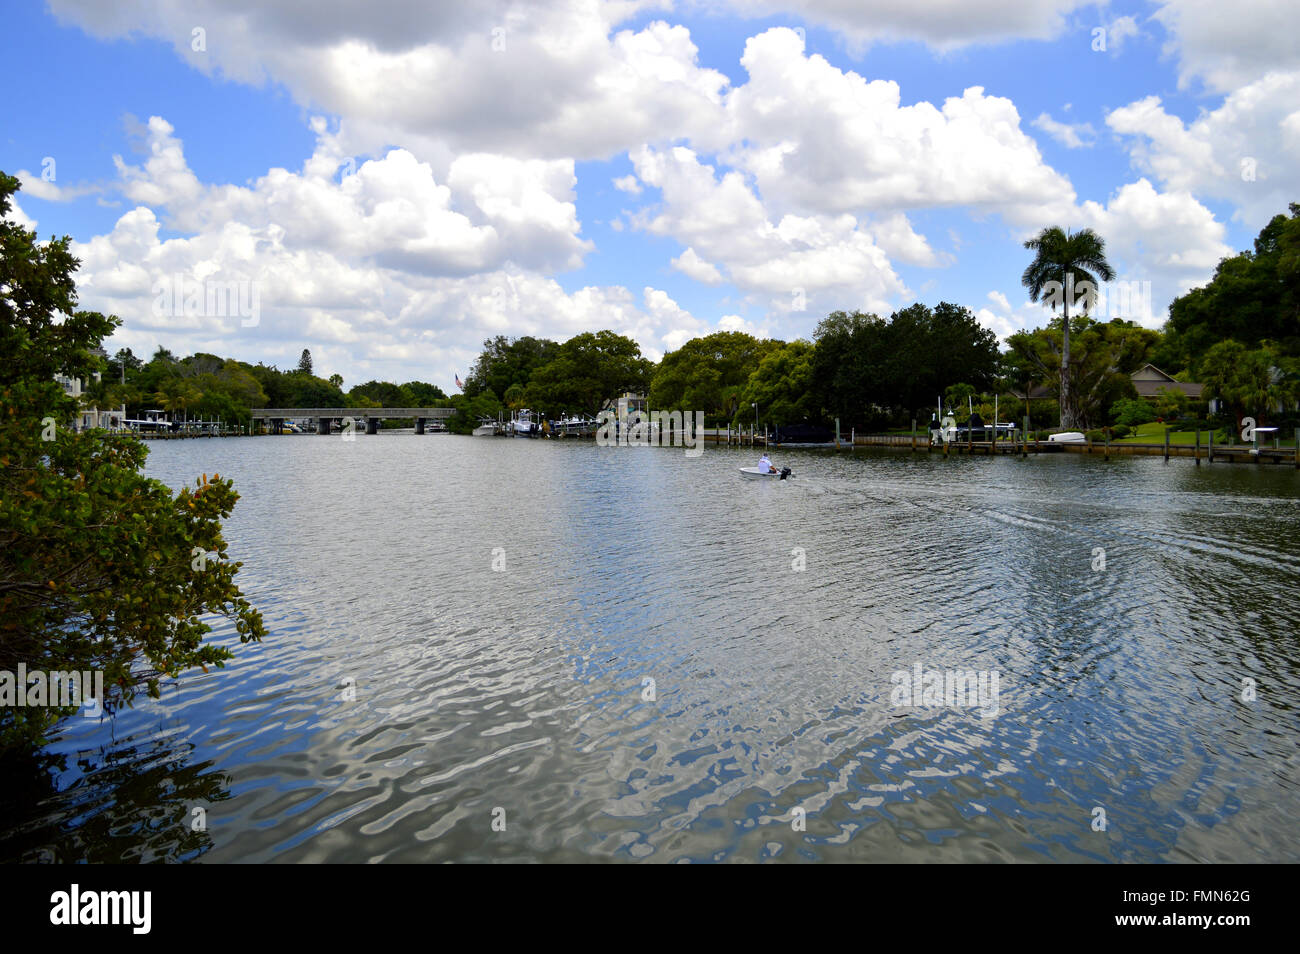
point(523, 425)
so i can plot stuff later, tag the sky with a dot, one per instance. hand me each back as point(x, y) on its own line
point(389, 183)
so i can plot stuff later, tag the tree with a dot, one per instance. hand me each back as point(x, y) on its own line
point(177, 394)
point(1253, 297)
point(1132, 412)
point(1171, 403)
point(1100, 369)
point(708, 374)
point(506, 361)
point(307, 390)
point(514, 397)
point(1247, 382)
point(237, 381)
point(781, 386)
point(470, 410)
point(304, 362)
point(385, 393)
point(124, 362)
point(97, 562)
point(1064, 262)
point(926, 350)
point(1019, 375)
point(588, 370)
point(848, 365)
point(336, 380)
point(423, 394)
point(216, 405)
point(958, 399)
point(273, 383)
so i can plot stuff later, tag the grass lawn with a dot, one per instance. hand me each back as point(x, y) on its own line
point(1154, 433)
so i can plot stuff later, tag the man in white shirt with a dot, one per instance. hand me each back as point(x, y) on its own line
point(765, 465)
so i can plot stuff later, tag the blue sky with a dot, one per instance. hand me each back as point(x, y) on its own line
point(390, 189)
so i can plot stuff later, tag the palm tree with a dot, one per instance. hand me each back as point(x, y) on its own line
point(176, 394)
point(514, 396)
point(1063, 262)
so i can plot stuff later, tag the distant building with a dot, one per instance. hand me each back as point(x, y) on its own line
point(630, 404)
point(92, 416)
point(1148, 380)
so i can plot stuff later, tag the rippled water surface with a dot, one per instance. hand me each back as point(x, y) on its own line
point(650, 677)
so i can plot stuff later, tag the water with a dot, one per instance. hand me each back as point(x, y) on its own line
point(523, 695)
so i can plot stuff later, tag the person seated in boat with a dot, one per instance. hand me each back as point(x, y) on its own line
point(765, 466)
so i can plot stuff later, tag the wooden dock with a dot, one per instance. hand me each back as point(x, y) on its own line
point(1207, 451)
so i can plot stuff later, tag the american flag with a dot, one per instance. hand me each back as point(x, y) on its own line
point(459, 383)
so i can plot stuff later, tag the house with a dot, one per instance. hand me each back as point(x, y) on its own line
point(88, 417)
point(1148, 380)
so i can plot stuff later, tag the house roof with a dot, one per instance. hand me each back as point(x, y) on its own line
point(1037, 392)
point(1148, 380)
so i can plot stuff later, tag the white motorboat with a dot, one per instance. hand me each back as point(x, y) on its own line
point(576, 425)
point(1067, 437)
point(753, 473)
point(523, 425)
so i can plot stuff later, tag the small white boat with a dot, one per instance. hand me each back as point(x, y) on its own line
point(753, 473)
point(1067, 437)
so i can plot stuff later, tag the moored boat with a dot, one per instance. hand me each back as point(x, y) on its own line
point(523, 425)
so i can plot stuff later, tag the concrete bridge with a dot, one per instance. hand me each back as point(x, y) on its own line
point(371, 415)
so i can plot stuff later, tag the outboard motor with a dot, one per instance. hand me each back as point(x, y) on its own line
point(785, 472)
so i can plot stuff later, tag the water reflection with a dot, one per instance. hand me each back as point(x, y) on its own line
point(671, 664)
point(138, 801)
